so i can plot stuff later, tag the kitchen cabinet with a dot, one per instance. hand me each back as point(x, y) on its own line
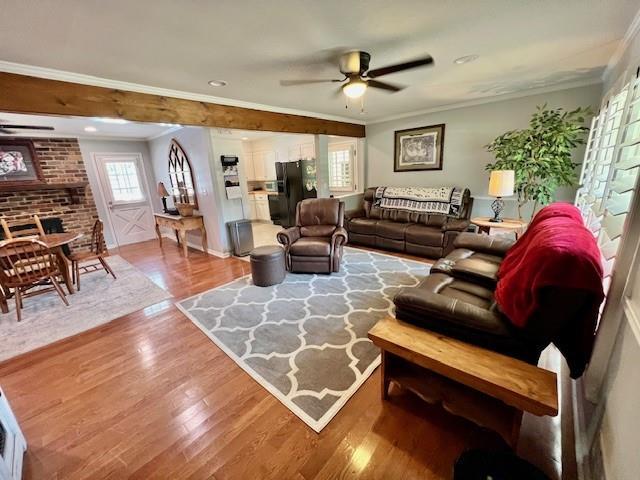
point(302, 151)
point(263, 166)
point(259, 207)
point(249, 171)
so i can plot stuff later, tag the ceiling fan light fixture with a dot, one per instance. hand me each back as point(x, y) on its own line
point(355, 88)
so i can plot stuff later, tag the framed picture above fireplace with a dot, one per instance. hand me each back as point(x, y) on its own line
point(19, 164)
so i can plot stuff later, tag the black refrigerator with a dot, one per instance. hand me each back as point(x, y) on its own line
point(296, 181)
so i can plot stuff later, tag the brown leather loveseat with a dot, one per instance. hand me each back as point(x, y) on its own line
point(314, 245)
point(402, 231)
point(457, 300)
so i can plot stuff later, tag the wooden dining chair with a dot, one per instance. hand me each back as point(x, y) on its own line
point(26, 263)
point(97, 251)
point(26, 228)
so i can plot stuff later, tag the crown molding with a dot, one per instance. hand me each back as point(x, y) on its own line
point(65, 76)
point(630, 34)
point(493, 99)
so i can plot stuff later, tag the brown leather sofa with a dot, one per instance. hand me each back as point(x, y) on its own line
point(456, 299)
point(418, 234)
point(315, 244)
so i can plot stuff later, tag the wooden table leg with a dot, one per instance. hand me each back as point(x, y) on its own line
point(183, 240)
point(175, 231)
point(203, 234)
point(384, 377)
point(63, 266)
point(159, 235)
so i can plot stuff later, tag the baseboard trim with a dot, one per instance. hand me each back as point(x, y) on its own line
point(210, 251)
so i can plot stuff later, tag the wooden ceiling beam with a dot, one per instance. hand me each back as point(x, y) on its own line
point(41, 96)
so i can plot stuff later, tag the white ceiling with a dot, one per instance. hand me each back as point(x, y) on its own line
point(253, 44)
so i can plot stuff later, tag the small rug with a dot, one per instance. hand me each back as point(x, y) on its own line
point(45, 319)
point(305, 340)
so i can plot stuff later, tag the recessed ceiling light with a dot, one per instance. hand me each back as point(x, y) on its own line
point(90, 129)
point(245, 138)
point(466, 59)
point(217, 83)
point(118, 121)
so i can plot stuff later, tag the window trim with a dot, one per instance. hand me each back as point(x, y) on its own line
point(351, 147)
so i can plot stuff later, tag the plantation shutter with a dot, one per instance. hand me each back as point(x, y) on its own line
point(341, 168)
point(609, 178)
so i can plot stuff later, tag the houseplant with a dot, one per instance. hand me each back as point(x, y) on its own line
point(541, 155)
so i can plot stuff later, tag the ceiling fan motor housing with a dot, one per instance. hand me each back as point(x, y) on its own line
point(355, 62)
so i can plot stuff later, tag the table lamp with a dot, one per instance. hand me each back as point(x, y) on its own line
point(501, 184)
point(162, 193)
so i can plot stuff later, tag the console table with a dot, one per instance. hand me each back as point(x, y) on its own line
point(490, 389)
point(181, 225)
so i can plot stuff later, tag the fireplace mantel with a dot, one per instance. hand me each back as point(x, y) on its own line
point(75, 190)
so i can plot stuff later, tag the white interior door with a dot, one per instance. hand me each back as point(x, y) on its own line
point(125, 192)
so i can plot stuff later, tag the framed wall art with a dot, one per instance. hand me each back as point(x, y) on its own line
point(19, 164)
point(419, 149)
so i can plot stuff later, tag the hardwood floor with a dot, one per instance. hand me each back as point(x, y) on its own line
point(150, 396)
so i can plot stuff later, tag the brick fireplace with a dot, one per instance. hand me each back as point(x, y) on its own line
point(61, 163)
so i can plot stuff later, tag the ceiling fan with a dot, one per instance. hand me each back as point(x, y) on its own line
point(354, 66)
point(8, 129)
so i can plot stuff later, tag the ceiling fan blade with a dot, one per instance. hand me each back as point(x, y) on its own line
point(422, 62)
point(27, 127)
point(290, 83)
point(385, 86)
point(5, 131)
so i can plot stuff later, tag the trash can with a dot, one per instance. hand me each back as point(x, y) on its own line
point(241, 237)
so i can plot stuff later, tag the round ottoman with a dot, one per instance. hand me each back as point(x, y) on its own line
point(267, 265)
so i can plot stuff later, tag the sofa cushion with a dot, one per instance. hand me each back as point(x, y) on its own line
point(311, 247)
point(463, 310)
point(364, 226)
point(392, 230)
point(424, 235)
point(468, 265)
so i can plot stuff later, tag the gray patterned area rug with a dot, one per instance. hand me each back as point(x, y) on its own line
point(45, 319)
point(305, 340)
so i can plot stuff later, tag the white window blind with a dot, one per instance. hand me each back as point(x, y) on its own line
point(609, 178)
point(341, 168)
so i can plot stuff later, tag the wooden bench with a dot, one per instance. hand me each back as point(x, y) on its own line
point(488, 388)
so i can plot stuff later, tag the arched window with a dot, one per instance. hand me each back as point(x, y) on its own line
point(181, 175)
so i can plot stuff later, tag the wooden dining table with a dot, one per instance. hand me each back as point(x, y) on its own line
point(55, 242)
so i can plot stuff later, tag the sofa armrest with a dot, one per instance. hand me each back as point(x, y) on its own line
point(339, 238)
point(416, 302)
point(456, 224)
point(355, 214)
point(483, 243)
point(289, 236)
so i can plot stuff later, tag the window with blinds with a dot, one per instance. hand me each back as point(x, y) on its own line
point(341, 168)
point(609, 177)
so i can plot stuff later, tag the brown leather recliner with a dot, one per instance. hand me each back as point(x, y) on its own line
point(314, 245)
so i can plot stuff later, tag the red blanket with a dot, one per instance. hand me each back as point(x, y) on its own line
point(551, 281)
point(557, 250)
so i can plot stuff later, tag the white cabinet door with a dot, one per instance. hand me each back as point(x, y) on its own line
point(294, 153)
point(262, 210)
point(270, 159)
point(258, 165)
point(248, 169)
point(307, 150)
point(253, 214)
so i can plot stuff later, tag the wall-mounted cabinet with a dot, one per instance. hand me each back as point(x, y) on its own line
point(261, 166)
point(301, 151)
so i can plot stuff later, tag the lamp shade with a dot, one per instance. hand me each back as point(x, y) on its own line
point(162, 191)
point(501, 183)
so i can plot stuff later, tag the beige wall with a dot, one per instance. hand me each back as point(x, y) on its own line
point(467, 130)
